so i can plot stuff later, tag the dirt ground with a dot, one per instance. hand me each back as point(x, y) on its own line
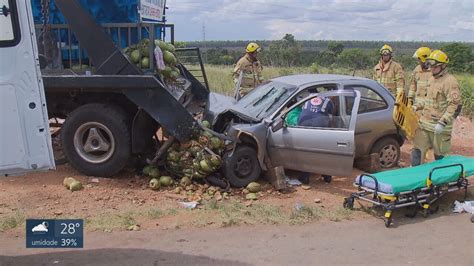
point(117, 203)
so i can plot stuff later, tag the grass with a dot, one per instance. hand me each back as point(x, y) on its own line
point(12, 221)
point(235, 213)
point(220, 80)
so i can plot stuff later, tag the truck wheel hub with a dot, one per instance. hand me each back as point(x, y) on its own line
point(94, 142)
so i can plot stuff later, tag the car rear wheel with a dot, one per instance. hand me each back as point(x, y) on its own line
point(241, 167)
point(388, 150)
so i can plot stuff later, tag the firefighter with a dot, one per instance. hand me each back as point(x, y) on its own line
point(420, 76)
point(251, 69)
point(438, 110)
point(388, 72)
point(419, 82)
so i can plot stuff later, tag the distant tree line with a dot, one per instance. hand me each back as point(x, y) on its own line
point(289, 52)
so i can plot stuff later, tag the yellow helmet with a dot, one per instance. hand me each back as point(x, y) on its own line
point(253, 47)
point(438, 57)
point(422, 53)
point(386, 49)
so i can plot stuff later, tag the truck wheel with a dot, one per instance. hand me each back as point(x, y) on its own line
point(96, 139)
point(388, 150)
point(242, 167)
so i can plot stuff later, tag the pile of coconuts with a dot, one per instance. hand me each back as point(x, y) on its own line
point(139, 55)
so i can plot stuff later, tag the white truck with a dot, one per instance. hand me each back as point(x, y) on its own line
point(111, 113)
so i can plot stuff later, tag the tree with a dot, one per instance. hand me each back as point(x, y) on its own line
point(460, 56)
point(284, 52)
point(354, 59)
point(335, 47)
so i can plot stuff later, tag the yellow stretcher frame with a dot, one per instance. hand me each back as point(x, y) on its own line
point(404, 116)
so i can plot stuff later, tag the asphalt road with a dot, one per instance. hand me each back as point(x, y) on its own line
point(441, 239)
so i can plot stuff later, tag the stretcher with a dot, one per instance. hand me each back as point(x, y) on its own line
point(418, 186)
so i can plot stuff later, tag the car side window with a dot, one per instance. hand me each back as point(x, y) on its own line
point(9, 27)
point(318, 112)
point(370, 100)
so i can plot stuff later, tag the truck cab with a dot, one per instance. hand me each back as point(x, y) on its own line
point(25, 142)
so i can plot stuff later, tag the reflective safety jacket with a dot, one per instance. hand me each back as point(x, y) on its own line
point(442, 99)
point(418, 84)
point(252, 72)
point(390, 75)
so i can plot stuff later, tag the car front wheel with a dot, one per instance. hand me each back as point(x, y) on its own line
point(241, 167)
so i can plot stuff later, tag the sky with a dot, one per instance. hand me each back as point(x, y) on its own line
point(392, 20)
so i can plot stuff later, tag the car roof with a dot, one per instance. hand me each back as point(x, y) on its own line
point(302, 79)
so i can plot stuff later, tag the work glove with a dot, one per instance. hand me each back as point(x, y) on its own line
point(414, 108)
point(438, 128)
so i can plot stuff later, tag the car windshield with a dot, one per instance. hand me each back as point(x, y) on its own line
point(265, 99)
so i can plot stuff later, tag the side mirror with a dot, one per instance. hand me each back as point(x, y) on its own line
point(278, 124)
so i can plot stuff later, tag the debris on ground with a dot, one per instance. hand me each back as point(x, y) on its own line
point(72, 184)
point(293, 182)
point(317, 200)
point(467, 206)
point(134, 227)
point(189, 205)
point(306, 187)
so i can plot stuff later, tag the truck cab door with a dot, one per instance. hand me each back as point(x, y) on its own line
point(25, 142)
point(327, 149)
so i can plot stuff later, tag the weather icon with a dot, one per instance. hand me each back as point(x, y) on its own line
point(42, 227)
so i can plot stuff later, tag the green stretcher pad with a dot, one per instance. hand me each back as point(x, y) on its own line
point(411, 178)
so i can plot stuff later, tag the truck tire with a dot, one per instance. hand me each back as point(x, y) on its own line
point(388, 150)
point(242, 167)
point(96, 139)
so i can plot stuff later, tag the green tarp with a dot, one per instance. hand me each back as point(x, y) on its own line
point(411, 178)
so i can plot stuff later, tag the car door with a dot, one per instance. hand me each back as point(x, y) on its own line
point(24, 132)
point(374, 117)
point(325, 150)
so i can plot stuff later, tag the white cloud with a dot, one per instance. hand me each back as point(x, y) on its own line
point(435, 20)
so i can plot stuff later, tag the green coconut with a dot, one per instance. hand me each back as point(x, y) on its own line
point(175, 75)
point(204, 166)
point(185, 181)
point(154, 173)
point(206, 124)
point(166, 180)
point(254, 187)
point(135, 56)
point(167, 72)
point(251, 196)
point(146, 170)
point(216, 143)
point(161, 44)
point(216, 160)
point(169, 58)
point(145, 62)
point(169, 47)
point(75, 186)
point(155, 184)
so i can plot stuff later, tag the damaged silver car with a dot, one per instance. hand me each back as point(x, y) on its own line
point(265, 138)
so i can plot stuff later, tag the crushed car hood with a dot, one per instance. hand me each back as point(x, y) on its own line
point(220, 104)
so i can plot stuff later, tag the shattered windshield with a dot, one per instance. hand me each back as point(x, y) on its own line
point(265, 99)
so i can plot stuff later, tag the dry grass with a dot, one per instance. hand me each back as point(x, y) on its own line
point(12, 221)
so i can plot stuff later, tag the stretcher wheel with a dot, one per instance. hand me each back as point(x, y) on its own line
point(388, 222)
point(434, 210)
point(348, 203)
point(424, 213)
